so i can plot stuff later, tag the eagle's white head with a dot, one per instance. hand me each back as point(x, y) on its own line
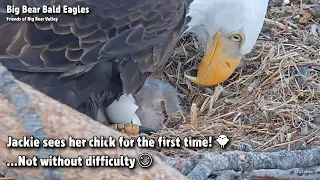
point(229, 30)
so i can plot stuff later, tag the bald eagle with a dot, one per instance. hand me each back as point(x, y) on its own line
point(111, 49)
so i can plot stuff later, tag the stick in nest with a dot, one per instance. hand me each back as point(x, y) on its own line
point(202, 165)
point(194, 116)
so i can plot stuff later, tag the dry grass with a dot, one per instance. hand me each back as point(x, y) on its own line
point(272, 102)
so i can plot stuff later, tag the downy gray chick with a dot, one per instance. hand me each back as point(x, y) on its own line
point(156, 100)
point(152, 104)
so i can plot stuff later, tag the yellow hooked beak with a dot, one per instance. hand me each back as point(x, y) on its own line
point(216, 66)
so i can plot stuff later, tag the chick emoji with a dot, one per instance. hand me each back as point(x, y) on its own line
point(222, 140)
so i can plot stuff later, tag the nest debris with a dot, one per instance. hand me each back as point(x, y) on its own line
point(271, 102)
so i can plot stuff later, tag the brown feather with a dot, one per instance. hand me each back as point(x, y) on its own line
point(123, 40)
point(58, 29)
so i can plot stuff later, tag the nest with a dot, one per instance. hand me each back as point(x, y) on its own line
point(271, 102)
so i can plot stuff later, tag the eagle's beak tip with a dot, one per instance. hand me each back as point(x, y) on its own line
point(198, 81)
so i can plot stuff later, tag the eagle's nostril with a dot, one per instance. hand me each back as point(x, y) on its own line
point(228, 64)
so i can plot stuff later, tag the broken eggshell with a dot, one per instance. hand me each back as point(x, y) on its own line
point(123, 111)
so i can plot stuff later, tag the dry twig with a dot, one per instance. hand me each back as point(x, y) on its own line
point(202, 165)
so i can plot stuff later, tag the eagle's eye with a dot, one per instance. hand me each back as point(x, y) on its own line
point(236, 37)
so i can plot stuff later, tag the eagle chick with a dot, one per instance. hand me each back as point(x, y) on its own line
point(156, 100)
